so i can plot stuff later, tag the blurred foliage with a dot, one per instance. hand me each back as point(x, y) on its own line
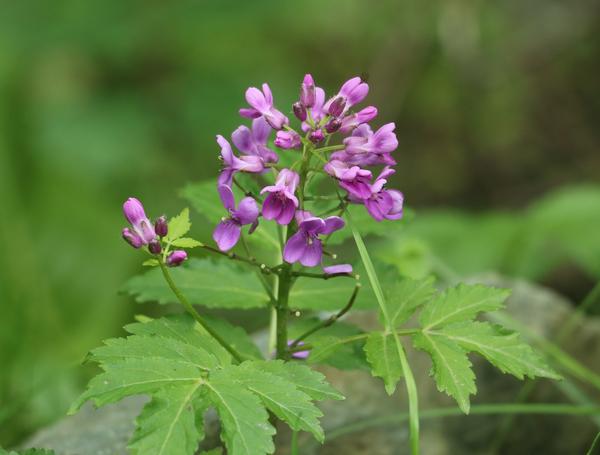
point(495, 102)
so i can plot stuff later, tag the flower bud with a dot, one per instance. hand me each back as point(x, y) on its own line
point(333, 125)
point(336, 108)
point(154, 247)
point(132, 238)
point(161, 227)
point(316, 136)
point(176, 258)
point(307, 91)
point(299, 111)
point(287, 139)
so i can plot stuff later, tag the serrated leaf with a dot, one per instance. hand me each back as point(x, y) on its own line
point(150, 263)
point(245, 422)
point(382, 355)
point(280, 396)
point(403, 298)
point(501, 348)
point(235, 336)
point(186, 242)
point(462, 302)
point(167, 424)
point(213, 284)
point(304, 378)
point(451, 368)
point(179, 225)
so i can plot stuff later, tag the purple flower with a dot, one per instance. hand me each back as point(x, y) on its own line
point(366, 148)
point(227, 233)
point(352, 92)
point(299, 354)
point(353, 179)
point(317, 112)
point(384, 203)
point(176, 258)
point(280, 205)
point(287, 140)
point(305, 246)
point(261, 103)
point(337, 269)
point(233, 164)
point(254, 142)
point(353, 120)
point(307, 91)
point(142, 232)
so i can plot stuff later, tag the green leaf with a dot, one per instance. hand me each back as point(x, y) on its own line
point(179, 225)
point(150, 263)
point(462, 302)
point(236, 336)
point(382, 355)
point(213, 284)
point(167, 424)
point(186, 242)
point(245, 422)
point(403, 298)
point(280, 396)
point(500, 347)
point(28, 452)
point(451, 368)
point(304, 378)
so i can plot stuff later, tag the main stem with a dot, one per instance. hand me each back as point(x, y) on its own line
point(191, 310)
point(282, 308)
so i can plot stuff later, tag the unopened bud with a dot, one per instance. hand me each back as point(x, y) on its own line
point(299, 111)
point(307, 91)
point(333, 125)
point(316, 136)
point(132, 238)
point(176, 258)
point(161, 227)
point(336, 108)
point(154, 247)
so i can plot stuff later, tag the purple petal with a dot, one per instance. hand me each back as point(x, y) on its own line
point(332, 224)
point(338, 268)
point(299, 354)
point(176, 258)
point(287, 212)
point(395, 212)
point(302, 215)
point(145, 230)
point(242, 139)
point(227, 234)
point(272, 206)
point(226, 195)
point(226, 151)
point(295, 247)
point(249, 113)
point(134, 211)
point(268, 95)
point(358, 94)
point(312, 225)
point(261, 130)
point(226, 176)
point(247, 211)
point(132, 238)
point(312, 254)
point(256, 99)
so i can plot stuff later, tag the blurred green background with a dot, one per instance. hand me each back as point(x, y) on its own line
point(497, 105)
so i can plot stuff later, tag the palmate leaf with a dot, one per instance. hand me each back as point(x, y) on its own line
point(403, 298)
point(451, 368)
point(185, 372)
point(449, 333)
point(168, 424)
point(213, 284)
point(280, 396)
point(382, 355)
point(462, 302)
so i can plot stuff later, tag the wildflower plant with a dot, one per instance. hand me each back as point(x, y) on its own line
point(282, 197)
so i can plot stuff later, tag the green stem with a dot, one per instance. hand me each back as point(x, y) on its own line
point(329, 321)
point(191, 310)
point(283, 294)
point(322, 276)
point(236, 257)
point(331, 148)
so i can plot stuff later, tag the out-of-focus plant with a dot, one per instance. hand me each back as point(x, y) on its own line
point(189, 363)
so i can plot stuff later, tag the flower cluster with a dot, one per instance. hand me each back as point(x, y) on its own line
point(347, 163)
point(143, 233)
